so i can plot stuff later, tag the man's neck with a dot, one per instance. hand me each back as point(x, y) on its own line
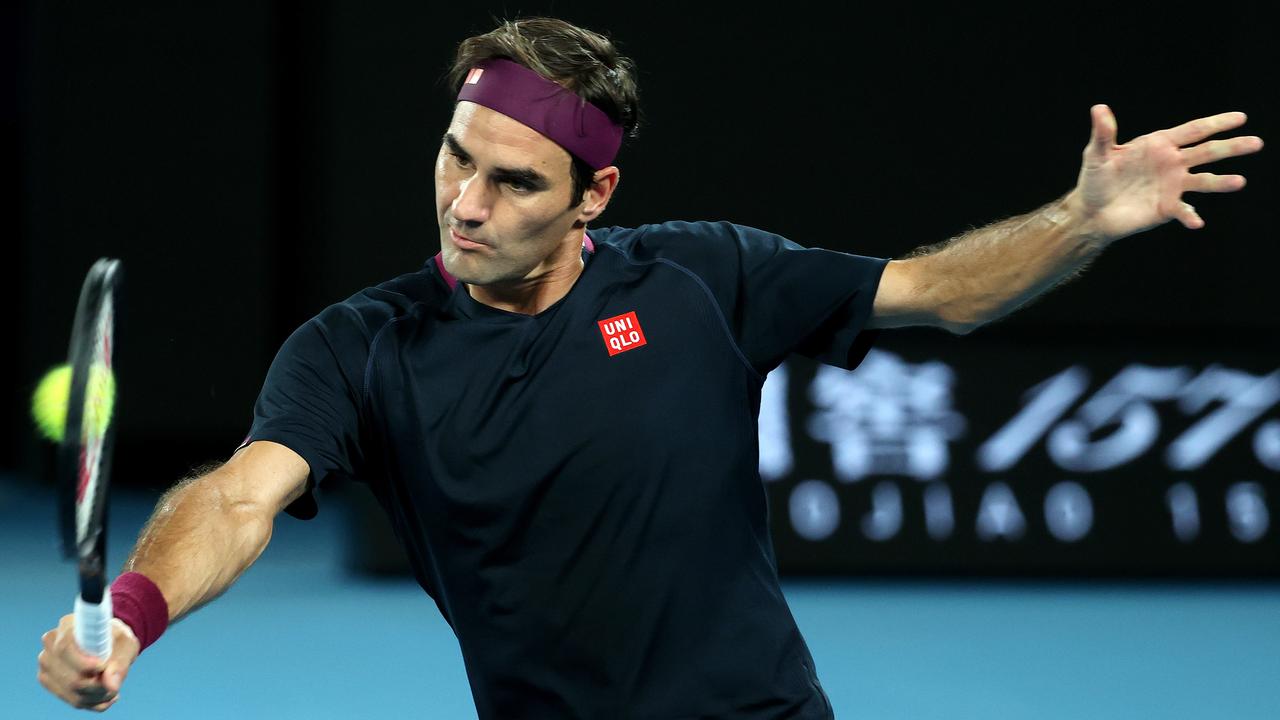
point(535, 294)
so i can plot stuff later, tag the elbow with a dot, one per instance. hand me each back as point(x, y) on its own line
point(959, 321)
point(915, 292)
point(963, 314)
point(961, 328)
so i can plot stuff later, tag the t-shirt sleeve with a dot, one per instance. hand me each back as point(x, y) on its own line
point(312, 397)
point(779, 297)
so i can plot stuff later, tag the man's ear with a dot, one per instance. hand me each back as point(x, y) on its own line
point(596, 197)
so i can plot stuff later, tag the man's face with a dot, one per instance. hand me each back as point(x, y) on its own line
point(502, 199)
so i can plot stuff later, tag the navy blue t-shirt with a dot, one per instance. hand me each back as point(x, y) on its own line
point(578, 490)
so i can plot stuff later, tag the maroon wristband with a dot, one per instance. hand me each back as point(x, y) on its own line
point(138, 603)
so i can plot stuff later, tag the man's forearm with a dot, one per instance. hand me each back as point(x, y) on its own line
point(200, 539)
point(988, 272)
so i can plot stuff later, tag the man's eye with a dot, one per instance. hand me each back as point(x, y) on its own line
point(462, 162)
point(520, 187)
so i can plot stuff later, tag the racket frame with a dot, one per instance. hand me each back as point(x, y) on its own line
point(85, 538)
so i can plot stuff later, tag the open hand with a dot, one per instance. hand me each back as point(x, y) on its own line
point(1126, 189)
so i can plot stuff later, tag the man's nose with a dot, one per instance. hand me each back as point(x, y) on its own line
point(472, 204)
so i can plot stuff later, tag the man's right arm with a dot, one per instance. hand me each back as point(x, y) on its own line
point(207, 531)
point(203, 534)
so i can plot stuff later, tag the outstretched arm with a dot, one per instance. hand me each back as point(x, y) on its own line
point(205, 532)
point(1121, 190)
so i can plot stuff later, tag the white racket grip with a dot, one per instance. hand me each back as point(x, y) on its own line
point(93, 626)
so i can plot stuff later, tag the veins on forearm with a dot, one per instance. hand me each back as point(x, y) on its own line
point(987, 272)
point(197, 542)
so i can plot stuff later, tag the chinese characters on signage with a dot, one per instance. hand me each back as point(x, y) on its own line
point(897, 432)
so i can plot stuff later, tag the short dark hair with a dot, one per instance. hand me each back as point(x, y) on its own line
point(578, 59)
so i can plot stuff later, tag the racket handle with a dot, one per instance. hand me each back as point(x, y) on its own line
point(93, 625)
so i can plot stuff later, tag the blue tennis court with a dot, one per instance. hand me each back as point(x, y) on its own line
point(300, 637)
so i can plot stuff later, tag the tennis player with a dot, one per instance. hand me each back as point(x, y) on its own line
point(560, 419)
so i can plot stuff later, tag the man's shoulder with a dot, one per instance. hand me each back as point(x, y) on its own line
point(370, 309)
point(680, 241)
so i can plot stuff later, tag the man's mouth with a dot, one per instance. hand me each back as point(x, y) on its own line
point(463, 242)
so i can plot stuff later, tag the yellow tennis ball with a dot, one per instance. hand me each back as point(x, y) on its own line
point(49, 402)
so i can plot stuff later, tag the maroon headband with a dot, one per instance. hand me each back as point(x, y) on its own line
point(525, 96)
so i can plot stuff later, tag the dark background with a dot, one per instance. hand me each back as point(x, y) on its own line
point(252, 162)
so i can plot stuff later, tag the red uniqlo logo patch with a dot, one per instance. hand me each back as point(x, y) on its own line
point(473, 77)
point(621, 333)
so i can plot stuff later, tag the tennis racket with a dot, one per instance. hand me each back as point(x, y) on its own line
point(84, 455)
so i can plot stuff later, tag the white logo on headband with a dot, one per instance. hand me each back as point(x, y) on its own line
point(473, 77)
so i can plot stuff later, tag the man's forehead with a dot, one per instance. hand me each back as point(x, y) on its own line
point(502, 140)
